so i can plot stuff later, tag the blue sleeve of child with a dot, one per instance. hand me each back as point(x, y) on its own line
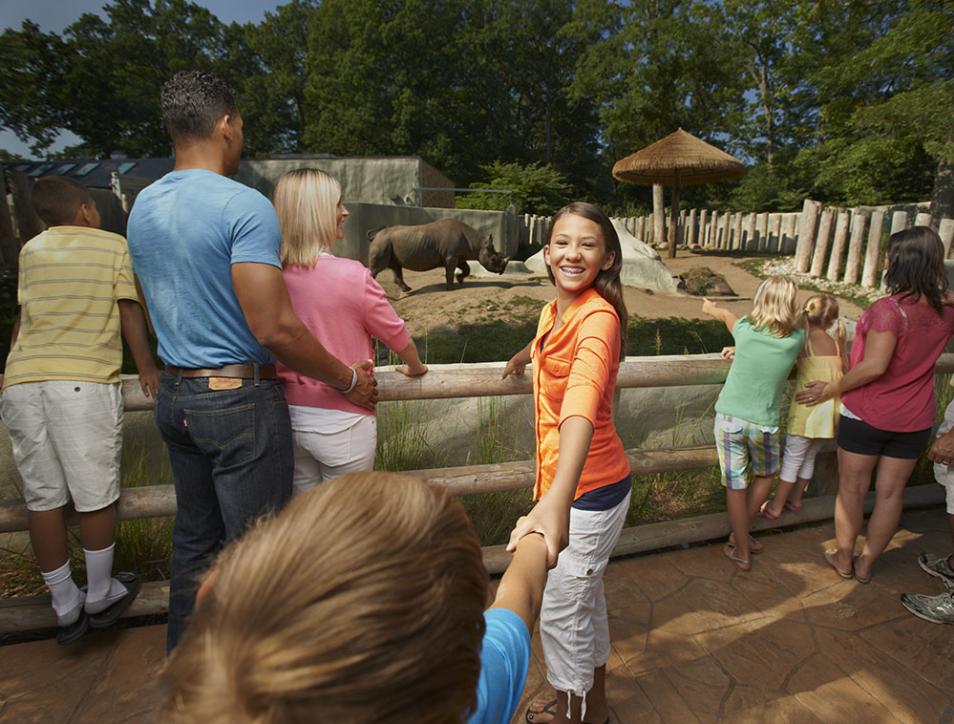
point(504, 660)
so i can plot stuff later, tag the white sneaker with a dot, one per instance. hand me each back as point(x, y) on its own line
point(936, 609)
point(937, 566)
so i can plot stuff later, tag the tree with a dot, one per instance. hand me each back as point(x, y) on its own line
point(536, 188)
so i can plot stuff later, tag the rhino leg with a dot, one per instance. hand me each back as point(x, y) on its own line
point(398, 270)
point(450, 263)
point(464, 269)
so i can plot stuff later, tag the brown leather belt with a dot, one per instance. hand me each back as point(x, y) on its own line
point(244, 372)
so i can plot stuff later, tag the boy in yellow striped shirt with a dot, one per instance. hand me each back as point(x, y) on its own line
point(61, 397)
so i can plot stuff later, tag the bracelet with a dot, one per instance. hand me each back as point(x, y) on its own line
point(354, 382)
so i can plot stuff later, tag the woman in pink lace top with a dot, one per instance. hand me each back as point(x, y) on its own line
point(887, 396)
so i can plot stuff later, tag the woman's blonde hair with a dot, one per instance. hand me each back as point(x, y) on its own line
point(362, 601)
point(774, 306)
point(306, 201)
point(822, 310)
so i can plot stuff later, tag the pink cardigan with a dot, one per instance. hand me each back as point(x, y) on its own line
point(344, 307)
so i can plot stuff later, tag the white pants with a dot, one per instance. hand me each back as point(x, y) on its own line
point(321, 456)
point(942, 473)
point(67, 442)
point(574, 629)
point(798, 460)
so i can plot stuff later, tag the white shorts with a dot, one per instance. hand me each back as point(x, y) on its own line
point(798, 460)
point(321, 456)
point(942, 473)
point(67, 442)
point(574, 629)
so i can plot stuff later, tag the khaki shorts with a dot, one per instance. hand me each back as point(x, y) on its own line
point(67, 442)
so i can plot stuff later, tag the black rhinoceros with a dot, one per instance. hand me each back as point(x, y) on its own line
point(447, 243)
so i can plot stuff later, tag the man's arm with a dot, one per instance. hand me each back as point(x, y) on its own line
point(268, 310)
point(521, 588)
point(133, 323)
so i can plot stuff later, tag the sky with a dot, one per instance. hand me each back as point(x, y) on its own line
point(55, 15)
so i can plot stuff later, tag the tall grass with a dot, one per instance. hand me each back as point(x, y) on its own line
point(402, 437)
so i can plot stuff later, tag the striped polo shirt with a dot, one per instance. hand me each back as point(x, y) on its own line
point(71, 278)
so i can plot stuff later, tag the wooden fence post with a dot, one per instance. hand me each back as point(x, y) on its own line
point(689, 235)
point(922, 219)
point(870, 273)
point(737, 230)
point(822, 242)
point(807, 223)
point(838, 246)
point(751, 243)
point(789, 226)
point(659, 215)
point(761, 231)
point(853, 265)
point(775, 233)
point(945, 229)
point(899, 221)
point(703, 238)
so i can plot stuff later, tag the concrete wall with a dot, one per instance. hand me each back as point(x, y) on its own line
point(365, 180)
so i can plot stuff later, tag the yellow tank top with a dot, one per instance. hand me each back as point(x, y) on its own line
point(820, 421)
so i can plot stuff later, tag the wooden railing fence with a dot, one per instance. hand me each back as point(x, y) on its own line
point(482, 380)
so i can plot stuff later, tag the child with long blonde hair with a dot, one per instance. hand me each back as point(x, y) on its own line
point(767, 342)
point(822, 358)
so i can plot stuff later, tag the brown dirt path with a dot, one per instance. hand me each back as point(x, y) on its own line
point(429, 305)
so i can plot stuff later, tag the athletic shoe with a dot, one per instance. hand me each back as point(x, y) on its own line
point(936, 609)
point(936, 566)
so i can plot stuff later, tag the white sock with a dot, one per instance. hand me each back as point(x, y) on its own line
point(102, 590)
point(67, 597)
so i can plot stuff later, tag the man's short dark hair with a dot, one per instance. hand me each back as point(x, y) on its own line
point(56, 199)
point(191, 103)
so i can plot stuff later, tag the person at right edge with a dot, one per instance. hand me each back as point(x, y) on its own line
point(206, 253)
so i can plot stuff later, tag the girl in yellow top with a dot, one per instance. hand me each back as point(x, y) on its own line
point(583, 479)
point(822, 358)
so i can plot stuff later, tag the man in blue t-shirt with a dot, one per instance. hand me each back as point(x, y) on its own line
point(206, 253)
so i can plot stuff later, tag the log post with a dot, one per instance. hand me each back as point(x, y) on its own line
point(737, 231)
point(838, 246)
point(690, 233)
point(923, 219)
point(788, 234)
point(822, 242)
point(872, 251)
point(853, 265)
point(703, 231)
point(659, 215)
point(899, 221)
point(9, 246)
point(674, 221)
point(775, 233)
point(807, 224)
point(751, 243)
point(945, 229)
point(761, 229)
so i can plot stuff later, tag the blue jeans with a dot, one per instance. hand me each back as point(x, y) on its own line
point(231, 456)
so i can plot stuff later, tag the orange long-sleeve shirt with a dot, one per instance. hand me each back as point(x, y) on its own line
point(574, 373)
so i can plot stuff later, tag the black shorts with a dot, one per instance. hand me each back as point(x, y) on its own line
point(857, 436)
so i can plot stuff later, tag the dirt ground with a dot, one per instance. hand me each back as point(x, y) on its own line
point(429, 305)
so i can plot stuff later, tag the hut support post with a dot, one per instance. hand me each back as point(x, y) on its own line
point(674, 222)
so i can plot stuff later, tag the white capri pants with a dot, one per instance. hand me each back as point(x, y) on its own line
point(798, 460)
point(942, 473)
point(574, 629)
point(322, 456)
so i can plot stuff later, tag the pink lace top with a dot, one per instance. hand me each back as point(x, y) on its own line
point(902, 399)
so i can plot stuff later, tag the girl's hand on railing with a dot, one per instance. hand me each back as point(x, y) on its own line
point(407, 371)
point(728, 353)
point(514, 367)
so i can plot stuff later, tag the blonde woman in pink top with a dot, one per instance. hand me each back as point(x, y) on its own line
point(887, 396)
point(344, 307)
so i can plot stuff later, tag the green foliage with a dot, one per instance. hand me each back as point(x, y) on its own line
point(536, 189)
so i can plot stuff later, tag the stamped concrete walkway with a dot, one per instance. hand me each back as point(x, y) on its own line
point(694, 639)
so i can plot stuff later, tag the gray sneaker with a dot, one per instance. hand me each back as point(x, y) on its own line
point(937, 566)
point(936, 609)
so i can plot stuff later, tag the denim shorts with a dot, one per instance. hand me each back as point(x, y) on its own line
point(745, 446)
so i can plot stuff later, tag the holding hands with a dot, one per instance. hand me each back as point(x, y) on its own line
point(550, 518)
point(942, 451)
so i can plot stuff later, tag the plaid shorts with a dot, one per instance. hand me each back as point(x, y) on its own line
point(744, 446)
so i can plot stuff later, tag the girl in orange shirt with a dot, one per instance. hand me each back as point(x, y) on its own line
point(583, 478)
